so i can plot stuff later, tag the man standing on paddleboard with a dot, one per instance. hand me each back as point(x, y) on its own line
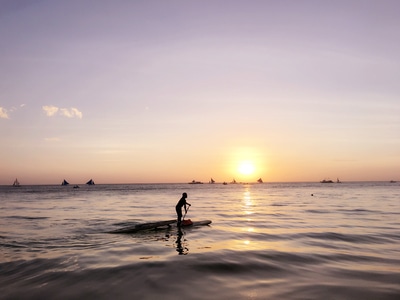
point(182, 202)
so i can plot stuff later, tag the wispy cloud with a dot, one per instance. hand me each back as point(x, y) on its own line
point(14, 108)
point(71, 112)
point(3, 113)
point(52, 110)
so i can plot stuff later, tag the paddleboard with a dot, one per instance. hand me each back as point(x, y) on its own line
point(143, 226)
point(155, 225)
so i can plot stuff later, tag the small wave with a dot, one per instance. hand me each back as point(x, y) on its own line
point(26, 218)
point(126, 223)
point(351, 238)
point(229, 266)
point(316, 211)
point(12, 245)
point(360, 211)
point(223, 274)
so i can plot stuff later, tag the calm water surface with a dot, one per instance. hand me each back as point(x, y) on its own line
point(266, 241)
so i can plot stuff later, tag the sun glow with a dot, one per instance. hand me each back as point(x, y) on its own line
point(246, 164)
point(246, 168)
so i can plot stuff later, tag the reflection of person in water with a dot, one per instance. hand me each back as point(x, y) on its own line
point(181, 203)
point(180, 247)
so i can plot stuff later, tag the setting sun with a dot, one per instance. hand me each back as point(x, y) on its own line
point(246, 168)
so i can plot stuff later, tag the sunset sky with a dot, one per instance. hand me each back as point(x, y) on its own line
point(171, 91)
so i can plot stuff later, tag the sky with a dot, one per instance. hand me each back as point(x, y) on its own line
point(173, 91)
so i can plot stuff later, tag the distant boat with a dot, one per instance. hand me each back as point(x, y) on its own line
point(392, 181)
point(259, 180)
point(338, 181)
point(65, 182)
point(326, 181)
point(90, 182)
point(212, 181)
point(195, 182)
point(76, 186)
point(233, 181)
point(16, 183)
point(224, 183)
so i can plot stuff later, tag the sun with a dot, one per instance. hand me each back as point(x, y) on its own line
point(246, 168)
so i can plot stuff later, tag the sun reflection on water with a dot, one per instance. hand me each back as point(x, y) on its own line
point(247, 203)
point(248, 210)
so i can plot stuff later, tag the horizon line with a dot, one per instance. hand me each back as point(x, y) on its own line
point(206, 183)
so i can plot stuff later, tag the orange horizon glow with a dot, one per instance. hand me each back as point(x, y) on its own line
point(243, 165)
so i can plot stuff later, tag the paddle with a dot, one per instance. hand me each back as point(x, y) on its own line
point(188, 221)
point(186, 210)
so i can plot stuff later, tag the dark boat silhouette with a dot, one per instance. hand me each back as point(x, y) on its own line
point(16, 183)
point(195, 182)
point(326, 181)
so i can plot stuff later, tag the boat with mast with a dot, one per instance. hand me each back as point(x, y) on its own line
point(16, 183)
point(90, 182)
point(65, 182)
point(260, 180)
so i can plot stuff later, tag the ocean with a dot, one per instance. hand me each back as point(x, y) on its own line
point(266, 241)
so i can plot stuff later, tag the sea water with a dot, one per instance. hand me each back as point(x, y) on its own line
point(266, 241)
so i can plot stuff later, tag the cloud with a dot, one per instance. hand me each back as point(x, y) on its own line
point(3, 113)
point(50, 110)
point(72, 112)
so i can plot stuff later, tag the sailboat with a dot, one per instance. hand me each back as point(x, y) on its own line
point(260, 180)
point(212, 181)
point(233, 181)
point(65, 182)
point(16, 183)
point(90, 182)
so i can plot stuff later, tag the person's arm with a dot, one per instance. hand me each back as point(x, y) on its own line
point(186, 204)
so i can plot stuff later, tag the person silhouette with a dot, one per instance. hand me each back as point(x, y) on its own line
point(181, 203)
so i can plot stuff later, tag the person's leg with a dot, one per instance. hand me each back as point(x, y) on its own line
point(179, 213)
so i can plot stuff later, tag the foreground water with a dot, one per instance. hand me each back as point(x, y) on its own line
point(266, 241)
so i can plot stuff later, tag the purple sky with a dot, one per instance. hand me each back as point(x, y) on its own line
point(170, 91)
